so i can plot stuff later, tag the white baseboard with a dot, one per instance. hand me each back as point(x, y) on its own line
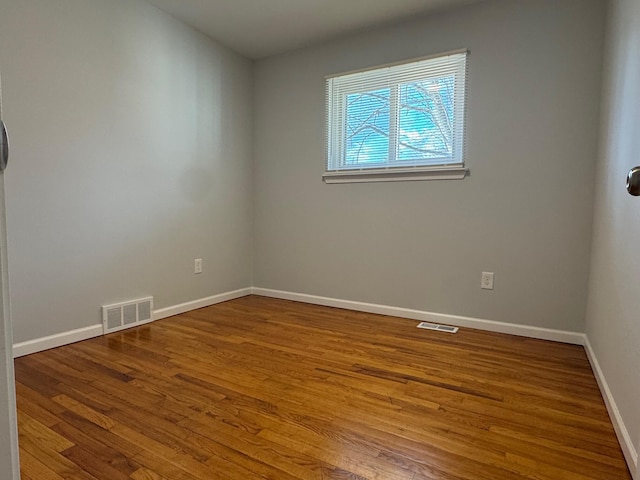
point(57, 340)
point(66, 338)
point(575, 338)
point(201, 303)
point(628, 448)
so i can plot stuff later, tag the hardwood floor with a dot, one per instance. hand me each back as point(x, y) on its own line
point(263, 388)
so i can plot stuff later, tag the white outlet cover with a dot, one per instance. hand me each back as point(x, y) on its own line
point(486, 282)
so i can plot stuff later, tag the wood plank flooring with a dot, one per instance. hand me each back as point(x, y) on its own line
point(271, 389)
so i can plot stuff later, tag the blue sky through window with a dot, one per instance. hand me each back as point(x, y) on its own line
point(368, 117)
point(426, 119)
point(424, 127)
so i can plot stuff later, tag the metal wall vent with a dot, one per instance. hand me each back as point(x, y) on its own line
point(126, 314)
point(439, 328)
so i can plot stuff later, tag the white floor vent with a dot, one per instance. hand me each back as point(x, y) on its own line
point(439, 328)
point(127, 314)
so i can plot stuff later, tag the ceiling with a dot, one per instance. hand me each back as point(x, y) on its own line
point(260, 28)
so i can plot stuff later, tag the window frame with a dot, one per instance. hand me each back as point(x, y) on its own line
point(338, 86)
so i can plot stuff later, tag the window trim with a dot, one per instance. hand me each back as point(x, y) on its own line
point(397, 174)
point(444, 171)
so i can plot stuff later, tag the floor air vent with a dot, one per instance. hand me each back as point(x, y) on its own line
point(126, 315)
point(439, 328)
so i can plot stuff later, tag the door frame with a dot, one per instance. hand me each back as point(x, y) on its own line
point(9, 451)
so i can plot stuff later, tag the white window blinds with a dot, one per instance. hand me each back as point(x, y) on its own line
point(402, 116)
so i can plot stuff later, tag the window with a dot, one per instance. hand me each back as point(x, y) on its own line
point(398, 122)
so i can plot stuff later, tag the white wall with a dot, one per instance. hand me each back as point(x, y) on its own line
point(131, 157)
point(525, 212)
point(613, 315)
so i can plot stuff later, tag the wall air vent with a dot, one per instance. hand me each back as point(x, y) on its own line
point(126, 314)
point(439, 328)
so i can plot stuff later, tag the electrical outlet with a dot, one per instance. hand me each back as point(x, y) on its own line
point(197, 265)
point(486, 282)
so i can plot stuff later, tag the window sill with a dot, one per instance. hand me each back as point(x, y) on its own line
point(396, 175)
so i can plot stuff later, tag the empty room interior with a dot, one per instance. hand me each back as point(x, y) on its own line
point(223, 221)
